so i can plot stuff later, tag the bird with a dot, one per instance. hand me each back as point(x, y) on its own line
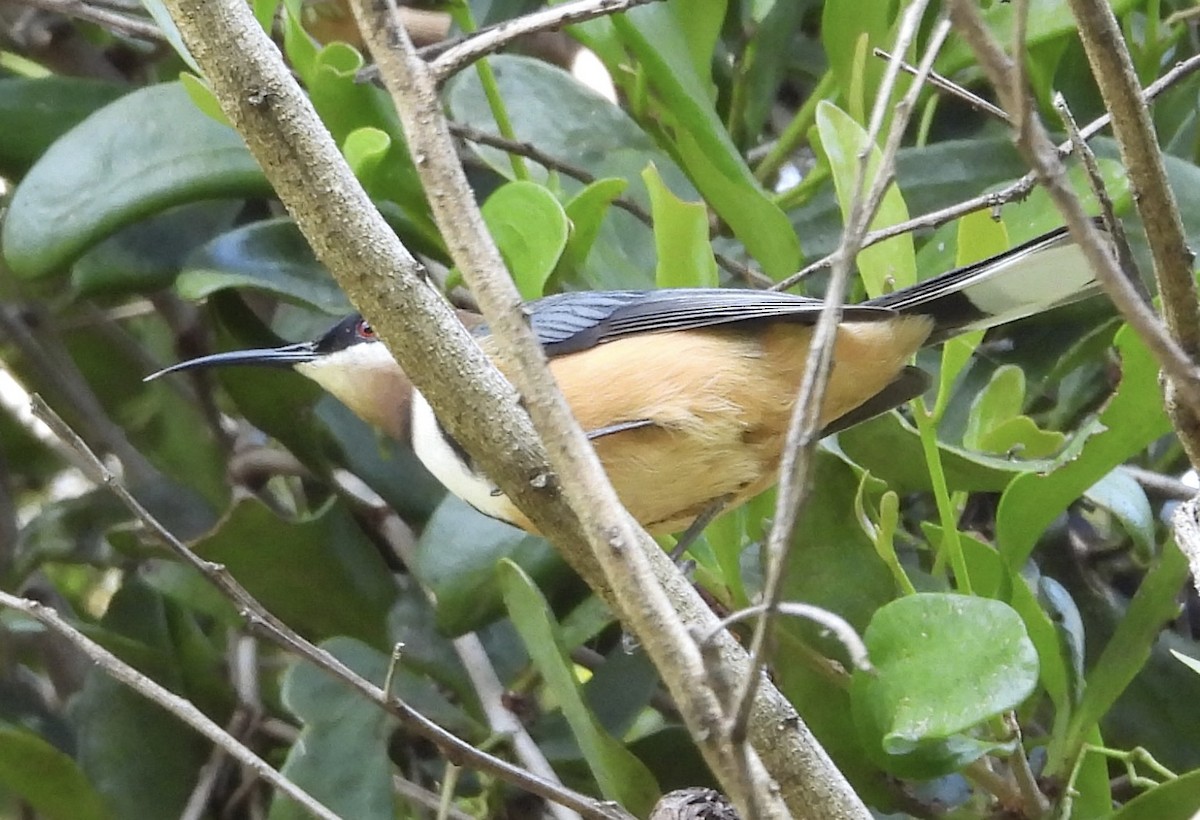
point(686, 393)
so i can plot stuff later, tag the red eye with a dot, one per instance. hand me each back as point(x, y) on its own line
point(364, 330)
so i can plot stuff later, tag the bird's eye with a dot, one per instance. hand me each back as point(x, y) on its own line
point(364, 330)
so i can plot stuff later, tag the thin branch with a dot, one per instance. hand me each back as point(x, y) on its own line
point(424, 797)
point(620, 548)
point(531, 151)
point(283, 636)
point(1159, 484)
point(836, 625)
point(197, 806)
point(803, 431)
point(1014, 192)
point(1034, 803)
point(177, 706)
point(458, 56)
point(114, 21)
point(1111, 224)
point(1035, 145)
point(950, 87)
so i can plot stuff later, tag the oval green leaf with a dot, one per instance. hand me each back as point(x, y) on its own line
point(530, 228)
point(36, 112)
point(269, 256)
point(944, 664)
point(143, 153)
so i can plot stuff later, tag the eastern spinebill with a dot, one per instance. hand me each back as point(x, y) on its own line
point(686, 393)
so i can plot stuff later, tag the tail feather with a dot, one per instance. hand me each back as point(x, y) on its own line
point(1046, 272)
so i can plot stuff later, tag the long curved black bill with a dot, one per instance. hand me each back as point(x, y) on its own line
point(285, 356)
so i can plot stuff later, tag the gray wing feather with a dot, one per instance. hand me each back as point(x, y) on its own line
point(570, 322)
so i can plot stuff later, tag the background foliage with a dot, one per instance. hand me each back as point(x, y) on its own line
point(1011, 569)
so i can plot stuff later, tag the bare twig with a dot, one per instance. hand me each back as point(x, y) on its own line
point(803, 432)
point(424, 797)
point(1012, 193)
point(949, 87)
point(197, 806)
point(1035, 145)
point(177, 706)
point(1111, 224)
point(619, 547)
point(829, 621)
point(286, 638)
point(126, 24)
point(1159, 484)
point(1034, 803)
point(493, 38)
point(531, 151)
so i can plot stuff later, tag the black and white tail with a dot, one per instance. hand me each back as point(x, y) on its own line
point(1045, 272)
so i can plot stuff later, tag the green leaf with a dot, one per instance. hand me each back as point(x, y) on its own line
point(1189, 662)
point(298, 46)
point(45, 779)
point(620, 775)
point(586, 212)
point(347, 107)
point(1127, 652)
point(1001, 400)
point(845, 25)
point(341, 756)
point(701, 142)
point(162, 18)
point(202, 96)
point(365, 148)
point(1177, 799)
point(889, 265)
point(1132, 419)
point(142, 759)
point(270, 256)
point(1122, 496)
point(996, 426)
point(685, 256)
point(36, 112)
point(890, 448)
point(833, 565)
point(149, 254)
point(1020, 436)
point(552, 110)
point(290, 560)
point(935, 679)
point(457, 556)
point(530, 228)
point(103, 175)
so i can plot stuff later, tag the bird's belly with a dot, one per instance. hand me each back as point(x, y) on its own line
point(718, 403)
